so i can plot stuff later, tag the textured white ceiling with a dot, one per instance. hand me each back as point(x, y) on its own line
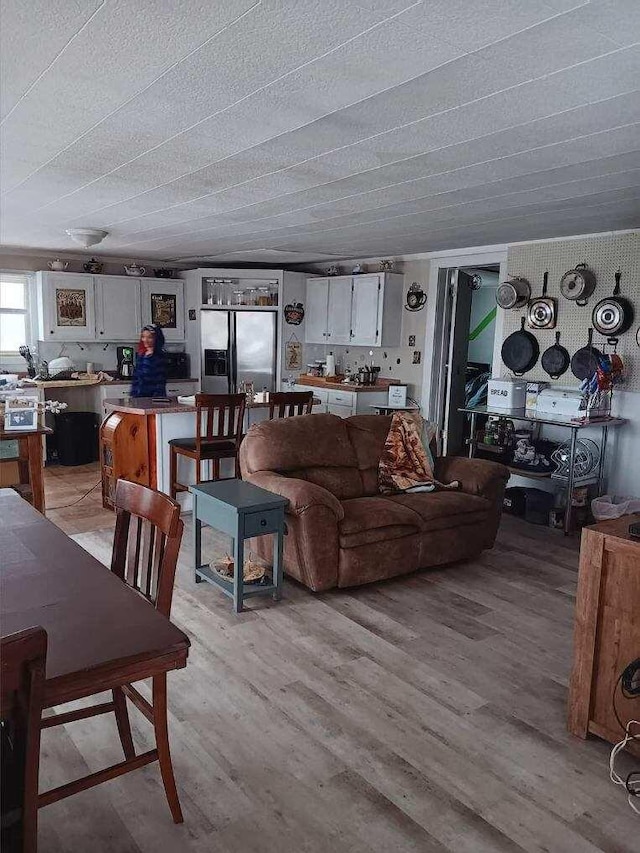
point(295, 130)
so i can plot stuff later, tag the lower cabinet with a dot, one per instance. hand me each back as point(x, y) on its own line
point(344, 404)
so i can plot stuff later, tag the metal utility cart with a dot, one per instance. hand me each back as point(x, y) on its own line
point(540, 419)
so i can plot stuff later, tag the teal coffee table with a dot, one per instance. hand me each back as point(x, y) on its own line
point(241, 510)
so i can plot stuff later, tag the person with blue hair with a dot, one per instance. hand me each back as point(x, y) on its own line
point(150, 373)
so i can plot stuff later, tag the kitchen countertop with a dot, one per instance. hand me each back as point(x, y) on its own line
point(320, 382)
point(87, 382)
point(148, 406)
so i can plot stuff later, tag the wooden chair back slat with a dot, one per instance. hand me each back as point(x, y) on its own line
point(22, 695)
point(147, 542)
point(220, 417)
point(286, 404)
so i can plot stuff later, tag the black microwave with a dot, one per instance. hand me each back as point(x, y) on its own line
point(177, 365)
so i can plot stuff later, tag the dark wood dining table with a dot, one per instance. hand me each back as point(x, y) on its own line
point(101, 632)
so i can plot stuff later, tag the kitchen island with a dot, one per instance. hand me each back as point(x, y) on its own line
point(134, 443)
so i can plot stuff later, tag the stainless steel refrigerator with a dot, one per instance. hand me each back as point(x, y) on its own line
point(238, 345)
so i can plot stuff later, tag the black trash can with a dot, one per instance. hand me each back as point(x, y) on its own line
point(77, 437)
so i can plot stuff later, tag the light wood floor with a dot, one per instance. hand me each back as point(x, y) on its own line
point(422, 714)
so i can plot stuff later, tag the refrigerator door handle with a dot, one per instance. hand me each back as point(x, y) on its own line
point(233, 372)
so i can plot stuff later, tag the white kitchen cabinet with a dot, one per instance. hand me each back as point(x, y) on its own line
point(118, 310)
point(363, 310)
point(163, 302)
point(366, 322)
point(315, 315)
point(66, 307)
point(339, 311)
point(376, 312)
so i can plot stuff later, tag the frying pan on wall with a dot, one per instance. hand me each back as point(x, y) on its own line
point(542, 309)
point(613, 316)
point(556, 359)
point(585, 361)
point(520, 350)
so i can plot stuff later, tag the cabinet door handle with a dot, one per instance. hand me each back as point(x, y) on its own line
point(102, 332)
point(50, 331)
point(263, 522)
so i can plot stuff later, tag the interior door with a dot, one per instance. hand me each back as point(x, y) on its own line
point(365, 319)
point(339, 315)
point(315, 319)
point(460, 293)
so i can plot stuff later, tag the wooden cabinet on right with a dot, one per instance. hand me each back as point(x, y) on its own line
point(358, 310)
point(607, 629)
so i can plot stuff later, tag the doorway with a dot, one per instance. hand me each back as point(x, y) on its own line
point(466, 329)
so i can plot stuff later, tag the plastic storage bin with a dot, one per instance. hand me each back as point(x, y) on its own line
point(77, 437)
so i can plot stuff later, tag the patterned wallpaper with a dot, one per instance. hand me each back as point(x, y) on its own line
point(602, 254)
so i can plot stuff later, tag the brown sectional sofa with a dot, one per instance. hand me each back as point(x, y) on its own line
point(341, 531)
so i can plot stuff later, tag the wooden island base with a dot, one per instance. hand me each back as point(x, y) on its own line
point(607, 629)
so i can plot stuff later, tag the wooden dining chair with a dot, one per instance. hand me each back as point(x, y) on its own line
point(22, 693)
point(146, 544)
point(219, 424)
point(286, 404)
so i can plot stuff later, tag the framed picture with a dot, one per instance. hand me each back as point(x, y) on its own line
point(21, 415)
point(163, 310)
point(293, 355)
point(71, 307)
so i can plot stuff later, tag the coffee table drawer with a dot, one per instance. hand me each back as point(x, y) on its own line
point(268, 521)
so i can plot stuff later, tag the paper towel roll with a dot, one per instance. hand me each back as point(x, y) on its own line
point(330, 369)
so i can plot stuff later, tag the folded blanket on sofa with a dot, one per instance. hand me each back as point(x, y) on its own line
point(406, 464)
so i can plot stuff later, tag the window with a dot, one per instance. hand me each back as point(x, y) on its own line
point(14, 312)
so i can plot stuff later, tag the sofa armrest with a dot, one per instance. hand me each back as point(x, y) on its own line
point(300, 493)
point(476, 476)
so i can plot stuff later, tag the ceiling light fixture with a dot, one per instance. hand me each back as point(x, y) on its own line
point(87, 236)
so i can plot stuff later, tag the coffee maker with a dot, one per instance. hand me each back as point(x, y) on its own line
point(125, 362)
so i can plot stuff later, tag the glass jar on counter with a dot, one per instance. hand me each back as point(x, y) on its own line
point(238, 297)
point(273, 294)
point(251, 296)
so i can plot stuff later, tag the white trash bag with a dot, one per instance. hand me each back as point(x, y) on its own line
point(613, 506)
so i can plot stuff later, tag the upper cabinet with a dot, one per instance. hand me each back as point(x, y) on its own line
point(118, 314)
point(66, 307)
point(361, 310)
point(315, 313)
point(109, 308)
point(163, 305)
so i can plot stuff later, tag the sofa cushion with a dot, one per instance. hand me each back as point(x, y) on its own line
point(290, 444)
point(309, 447)
point(374, 519)
point(440, 510)
point(368, 434)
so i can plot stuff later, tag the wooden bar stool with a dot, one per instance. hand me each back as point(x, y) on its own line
point(219, 423)
point(145, 555)
point(287, 404)
point(22, 694)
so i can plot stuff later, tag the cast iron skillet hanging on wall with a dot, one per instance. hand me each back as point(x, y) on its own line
point(613, 316)
point(556, 359)
point(520, 351)
point(586, 360)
